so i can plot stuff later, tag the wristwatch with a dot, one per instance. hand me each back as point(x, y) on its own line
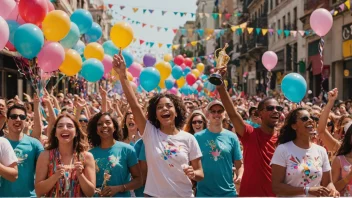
point(306, 190)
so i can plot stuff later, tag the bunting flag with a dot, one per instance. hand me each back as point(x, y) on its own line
point(200, 15)
point(264, 31)
point(135, 10)
point(348, 4)
point(175, 47)
point(250, 30)
point(301, 32)
point(175, 30)
point(122, 7)
point(271, 31)
point(168, 45)
point(163, 12)
point(227, 16)
point(206, 15)
point(258, 30)
point(141, 41)
point(158, 28)
point(110, 6)
point(332, 11)
point(160, 45)
point(183, 32)
point(342, 7)
point(200, 32)
point(294, 33)
point(123, 17)
point(287, 33)
point(143, 24)
point(239, 31)
point(151, 26)
point(181, 14)
point(144, 10)
point(175, 13)
point(279, 32)
point(166, 29)
point(215, 15)
point(194, 43)
point(151, 11)
point(192, 15)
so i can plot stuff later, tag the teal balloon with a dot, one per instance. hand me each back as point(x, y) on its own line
point(29, 40)
point(294, 87)
point(187, 90)
point(83, 19)
point(94, 33)
point(169, 84)
point(209, 86)
point(186, 70)
point(92, 70)
point(149, 78)
point(203, 77)
point(128, 58)
point(79, 47)
point(139, 89)
point(177, 72)
point(172, 63)
point(110, 48)
point(13, 25)
point(72, 37)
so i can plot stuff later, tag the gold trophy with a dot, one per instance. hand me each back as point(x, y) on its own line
point(221, 61)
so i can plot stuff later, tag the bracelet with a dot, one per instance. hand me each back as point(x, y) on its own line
point(306, 190)
point(124, 188)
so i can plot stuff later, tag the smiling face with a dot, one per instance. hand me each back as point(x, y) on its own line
point(305, 125)
point(165, 112)
point(130, 123)
point(197, 123)
point(105, 127)
point(216, 115)
point(16, 121)
point(65, 130)
point(269, 114)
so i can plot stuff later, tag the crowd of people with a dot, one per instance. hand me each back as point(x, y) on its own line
point(163, 145)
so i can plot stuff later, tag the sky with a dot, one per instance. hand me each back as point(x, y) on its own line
point(148, 34)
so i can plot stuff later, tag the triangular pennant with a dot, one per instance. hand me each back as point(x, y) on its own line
point(122, 7)
point(192, 15)
point(200, 32)
point(294, 33)
point(348, 4)
point(335, 13)
point(144, 10)
point(227, 16)
point(160, 45)
point(174, 30)
point(132, 22)
point(243, 25)
point(110, 5)
point(239, 31)
point(271, 31)
point(134, 39)
point(220, 15)
point(264, 31)
point(207, 15)
point(158, 28)
point(332, 11)
point(123, 17)
point(215, 15)
point(194, 43)
point(135, 10)
point(258, 30)
point(151, 11)
point(151, 26)
point(200, 15)
point(137, 22)
point(185, 13)
point(181, 14)
point(279, 32)
point(175, 13)
point(183, 32)
point(287, 33)
point(147, 43)
point(163, 12)
point(301, 32)
point(222, 32)
point(168, 45)
point(250, 30)
point(141, 41)
point(143, 24)
point(342, 7)
point(128, 19)
point(175, 47)
point(166, 29)
point(234, 28)
point(209, 31)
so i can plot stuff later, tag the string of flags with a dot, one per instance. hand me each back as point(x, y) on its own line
point(342, 7)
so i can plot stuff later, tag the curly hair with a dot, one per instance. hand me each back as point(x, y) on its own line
point(346, 146)
point(80, 143)
point(93, 137)
point(179, 107)
point(287, 133)
point(188, 127)
point(124, 129)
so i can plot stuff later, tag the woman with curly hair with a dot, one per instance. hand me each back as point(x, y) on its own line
point(196, 122)
point(65, 169)
point(115, 161)
point(300, 167)
point(168, 149)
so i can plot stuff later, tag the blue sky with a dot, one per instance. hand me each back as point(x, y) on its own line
point(156, 19)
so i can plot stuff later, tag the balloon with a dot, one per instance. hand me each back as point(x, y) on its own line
point(72, 37)
point(79, 47)
point(164, 69)
point(94, 50)
point(92, 70)
point(177, 72)
point(135, 69)
point(110, 48)
point(269, 60)
point(162, 84)
point(169, 84)
point(56, 25)
point(188, 62)
point(4, 33)
point(33, 11)
point(72, 63)
point(121, 34)
point(50, 6)
point(51, 56)
point(180, 82)
point(200, 67)
point(13, 25)
point(173, 90)
point(83, 19)
point(149, 78)
point(94, 33)
point(167, 57)
point(186, 70)
point(195, 72)
point(6, 7)
point(29, 40)
point(178, 60)
point(10, 46)
point(15, 16)
point(107, 62)
point(149, 60)
point(129, 76)
point(204, 77)
point(128, 58)
point(191, 79)
point(210, 87)
point(294, 87)
point(321, 21)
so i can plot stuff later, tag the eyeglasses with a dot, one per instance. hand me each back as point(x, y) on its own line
point(197, 122)
point(83, 120)
point(306, 118)
point(271, 108)
point(15, 116)
point(216, 112)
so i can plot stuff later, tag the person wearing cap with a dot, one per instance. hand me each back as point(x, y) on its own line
point(221, 151)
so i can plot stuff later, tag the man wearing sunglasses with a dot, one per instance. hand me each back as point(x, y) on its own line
point(27, 150)
point(221, 151)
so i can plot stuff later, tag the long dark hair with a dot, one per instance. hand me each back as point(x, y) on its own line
point(93, 137)
point(124, 125)
point(80, 143)
point(346, 146)
point(188, 127)
point(287, 133)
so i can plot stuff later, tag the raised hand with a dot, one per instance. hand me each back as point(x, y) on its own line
point(103, 92)
point(36, 99)
point(332, 95)
point(79, 168)
point(60, 171)
point(119, 63)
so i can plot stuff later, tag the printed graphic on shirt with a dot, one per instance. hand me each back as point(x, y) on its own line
point(309, 167)
point(170, 151)
point(215, 152)
point(106, 164)
point(20, 156)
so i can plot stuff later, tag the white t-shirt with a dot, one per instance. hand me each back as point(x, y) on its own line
point(304, 167)
point(7, 155)
point(165, 156)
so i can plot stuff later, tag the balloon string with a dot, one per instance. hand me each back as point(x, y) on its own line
point(321, 50)
point(269, 74)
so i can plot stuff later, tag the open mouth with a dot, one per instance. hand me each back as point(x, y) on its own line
point(105, 131)
point(17, 125)
point(131, 124)
point(166, 116)
point(275, 117)
point(65, 135)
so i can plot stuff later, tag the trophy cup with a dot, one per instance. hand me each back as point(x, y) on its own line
point(221, 61)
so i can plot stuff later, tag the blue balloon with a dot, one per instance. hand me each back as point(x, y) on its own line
point(79, 47)
point(149, 78)
point(72, 37)
point(110, 48)
point(203, 77)
point(294, 87)
point(83, 19)
point(209, 86)
point(186, 70)
point(92, 70)
point(169, 84)
point(29, 40)
point(177, 72)
point(94, 33)
point(139, 89)
point(187, 90)
point(172, 63)
point(13, 25)
point(128, 58)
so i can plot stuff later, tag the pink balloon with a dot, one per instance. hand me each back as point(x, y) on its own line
point(4, 33)
point(14, 15)
point(321, 21)
point(269, 60)
point(50, 6)
point(191, 79)
point(135, 69)
point(6, 7)
point(183, 66)
point(178, 60)
point(107, 62)
point(173, 90)
point(51, 56)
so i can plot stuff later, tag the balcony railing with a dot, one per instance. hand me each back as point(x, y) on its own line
point(261, 22)
point(313, 4)
point(257, 41)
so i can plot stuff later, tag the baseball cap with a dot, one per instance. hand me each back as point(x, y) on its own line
point(213, 103)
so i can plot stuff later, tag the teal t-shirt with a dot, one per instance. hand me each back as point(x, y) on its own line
point(115, 160)
point(140, 151)
point(219, 150)
point(254, 125)
point(27, 151)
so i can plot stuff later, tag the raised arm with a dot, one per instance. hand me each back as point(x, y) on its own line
point(104, 98)
point(120, 68)
point(37, 127)
point(52, 115)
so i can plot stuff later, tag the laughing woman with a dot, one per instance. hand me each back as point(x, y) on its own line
point(65, 169)
point(130, 133)
point(168, 149)
point(115, 161)
point(196, 122)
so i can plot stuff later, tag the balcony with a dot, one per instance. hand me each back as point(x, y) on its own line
point(310, 5)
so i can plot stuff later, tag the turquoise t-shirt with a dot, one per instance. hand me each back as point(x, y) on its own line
point(254, 125)
point(116, 161)
point(219, 150)
point(140, 151)
point(27, 151)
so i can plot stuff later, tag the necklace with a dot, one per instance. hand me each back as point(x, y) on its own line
point(66, 183)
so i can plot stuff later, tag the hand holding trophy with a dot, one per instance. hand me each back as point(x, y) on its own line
point(221, 61)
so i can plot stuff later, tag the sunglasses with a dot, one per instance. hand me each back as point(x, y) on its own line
point(83, 120)
point(306, 118)
point(216, 112)
point(197, 122)
point(15, 116)
point(271, 108)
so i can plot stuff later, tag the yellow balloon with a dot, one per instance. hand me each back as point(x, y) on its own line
point(167, 57)
point(200, 67)
point(114, 75)
point(56, 25)
point(72, 63)
point(121, 34)
point(94, 50)
point(164, 69)
point(129, 76)
point(196, 72)
point(162, 84)
point(180, 82)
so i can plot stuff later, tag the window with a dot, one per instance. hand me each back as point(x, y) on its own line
point(295, 18)
point(284, 22)
point(289, 20)
point(279, 28)
point(271, 4)
point(273, 26)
